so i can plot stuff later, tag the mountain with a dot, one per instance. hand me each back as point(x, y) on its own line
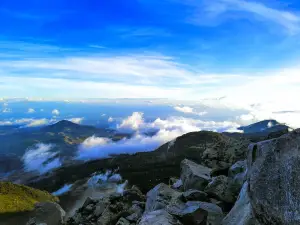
point(265, 126)
point(194, 193)
point(9, 162)
point(215, 150)
point(148, 168)
point(65, 135)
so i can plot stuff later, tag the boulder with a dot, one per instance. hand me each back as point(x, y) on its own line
point(194, 195)
point(158, 217)
point(123, 221)
point(177, 185)
point(241, 213)
point(133, 194)
point(47, 213)
point(238, 175)
point(100, 207)
point(219, 188)
point(88, 201)
point(135, 213)
point(240, 167)
point(106, 217)
point(274, 181)
point(194, 176)
point(161, 196)
point(217, 171)
point(197, 213)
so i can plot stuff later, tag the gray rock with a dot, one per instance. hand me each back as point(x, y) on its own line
point(197, 213)
point(194, 195)
point(178, 185)
point(241, 213)
point(274, 181)
point(135, 213)
point(239, 167)
point(160, 196)
point(100, 207)
point(140, 204)
point(89, 208)
point(133, 194)
point(123, 221)
point(47, 213)
point(106, 217)
point(159, 217)
point(219, 188)
point(238, 175)
point(88, 201)
point(194, 176)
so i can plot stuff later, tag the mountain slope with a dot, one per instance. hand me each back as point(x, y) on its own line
point(148, 168)
point(65, 135)
point(18, 198)
point(265, 126)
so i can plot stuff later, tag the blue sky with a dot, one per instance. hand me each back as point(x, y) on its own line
point(151, 49)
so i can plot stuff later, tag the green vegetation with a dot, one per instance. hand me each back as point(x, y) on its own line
point(19, 198)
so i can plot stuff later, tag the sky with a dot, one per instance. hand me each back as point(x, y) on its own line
point(238, 53)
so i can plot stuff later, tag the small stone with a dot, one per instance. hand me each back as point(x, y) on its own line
point(123, 221)
point(194, 195)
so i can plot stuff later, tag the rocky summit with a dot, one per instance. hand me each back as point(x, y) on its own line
point(260, 188)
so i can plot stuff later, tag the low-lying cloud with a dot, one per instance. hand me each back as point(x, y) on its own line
point(132, 123)
point(40, 158)
point(29, 122)
point(66, 188)
point(76, 120)
point(167, 130)
point(55, 112)
point(31, 110)
point(189, 110)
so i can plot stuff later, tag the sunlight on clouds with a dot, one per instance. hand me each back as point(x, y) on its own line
point(133, 122)
point(167, 130)
point(208, 11)
point(55, 112)
point(189, 110)
point(31, 110)
point(274, 90)
point(40, 158)
point(76, 120)
point(27, 122)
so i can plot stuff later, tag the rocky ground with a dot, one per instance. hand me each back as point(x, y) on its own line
point(262, 189)
point(199, 178)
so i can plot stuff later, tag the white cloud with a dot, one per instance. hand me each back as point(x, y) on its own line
point(27, 122)
point(76, 120)
point(270, 124)
point(66, 188)
point(189, 110)
point(110, 119)
point(37, 122)
point(6, 123)
point(288, 20)
point(95, 141)
point(132, 123)
point(41, 159)
point(6, 110)
point(31, 110)
point(167, 130)
point(55, 112)
point(184, 109)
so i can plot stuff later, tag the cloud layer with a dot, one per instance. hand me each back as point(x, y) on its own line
point(167, 130)
point(40, 159)
point(189, 110)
